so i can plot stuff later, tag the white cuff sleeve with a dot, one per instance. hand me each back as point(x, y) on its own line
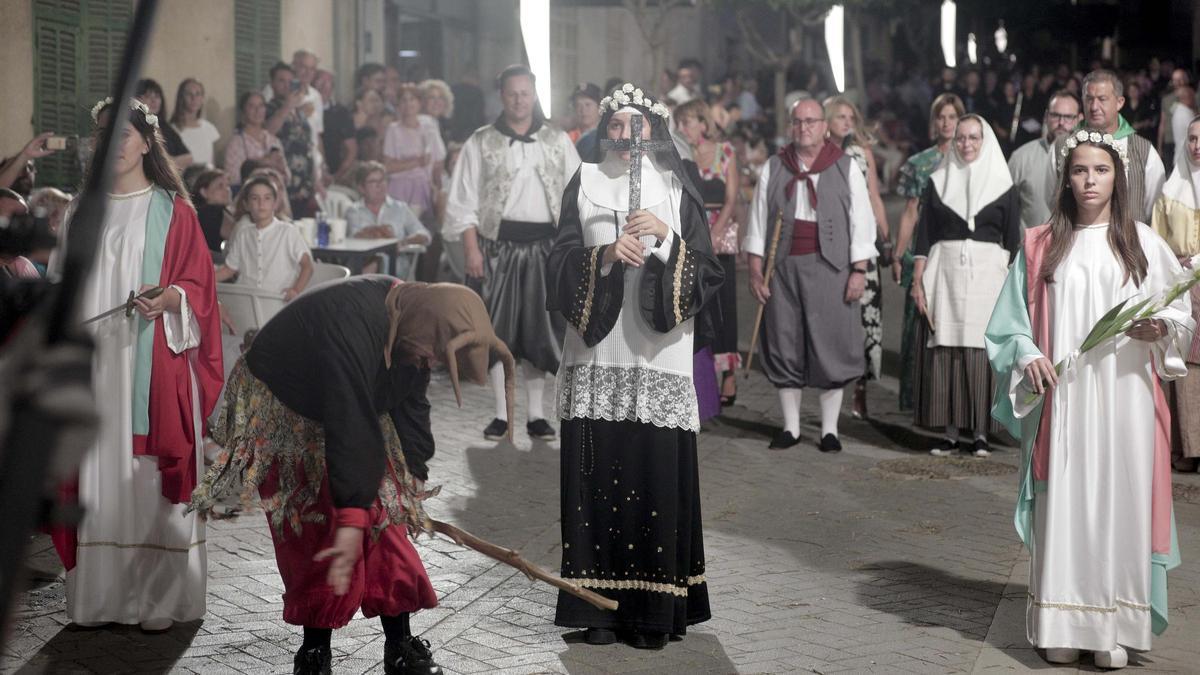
point(1020, 394)
point(181, 330)
point(663, 250)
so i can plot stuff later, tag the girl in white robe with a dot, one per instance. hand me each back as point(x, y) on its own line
point(1094, 507)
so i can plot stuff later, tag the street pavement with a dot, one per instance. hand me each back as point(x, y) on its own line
point(879, 559)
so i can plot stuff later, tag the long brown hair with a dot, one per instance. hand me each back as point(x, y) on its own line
point(1122, 232)
point(177, 116)
point(156, 164)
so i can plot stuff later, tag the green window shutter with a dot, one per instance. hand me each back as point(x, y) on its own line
point(256, 42)
point(77, 47)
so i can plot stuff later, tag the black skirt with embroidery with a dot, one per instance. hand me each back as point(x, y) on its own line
point(631, 526)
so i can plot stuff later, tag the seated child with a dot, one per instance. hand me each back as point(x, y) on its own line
point(266, 252)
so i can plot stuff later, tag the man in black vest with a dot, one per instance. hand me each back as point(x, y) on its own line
point(814, 195)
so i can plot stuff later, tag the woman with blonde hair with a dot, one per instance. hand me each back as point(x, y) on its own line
point(914, 176)
point(846, 129)
point(437, 103)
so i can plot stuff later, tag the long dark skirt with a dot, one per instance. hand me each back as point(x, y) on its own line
point(952, 385)
point(631, 526)
point(514, 292)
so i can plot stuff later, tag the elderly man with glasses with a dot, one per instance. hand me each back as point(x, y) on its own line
point(811, 220)
point(1034, 165)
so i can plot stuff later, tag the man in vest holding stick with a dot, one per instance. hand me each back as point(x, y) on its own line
point(813, 201)
point(504, 199)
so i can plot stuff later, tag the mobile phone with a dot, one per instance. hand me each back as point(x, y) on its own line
point(57, 143)
point(295, 85)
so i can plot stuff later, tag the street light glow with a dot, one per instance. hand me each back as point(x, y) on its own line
point(835, 45)
point(1001, 38)
point(949, 16)
point(535, 30)
point(971, 48)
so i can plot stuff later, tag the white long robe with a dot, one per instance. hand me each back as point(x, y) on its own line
point(1090, 570)
point(139, 556)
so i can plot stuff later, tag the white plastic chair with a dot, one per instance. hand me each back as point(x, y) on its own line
point(335, 204)
point(248, 307)
point(323, 272)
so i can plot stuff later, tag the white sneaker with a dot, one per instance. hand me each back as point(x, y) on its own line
point(1112, 659)
point(1062, 655)
point(983, 452)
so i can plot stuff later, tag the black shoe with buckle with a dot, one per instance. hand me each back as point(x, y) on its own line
point(312, 661)
point(783, 440)
point(829, 443)
point(496, 430)
point(411, 657)
point(540, 429)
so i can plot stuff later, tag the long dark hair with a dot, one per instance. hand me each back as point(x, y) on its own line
point(148, 84)
point(1122, 232)
point(156, 164)
point(241, 110)
point(177, 118)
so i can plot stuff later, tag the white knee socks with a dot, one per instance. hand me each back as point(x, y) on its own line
point(789, 402)
point(831, 408)
point(497, 372)
point(535, 381)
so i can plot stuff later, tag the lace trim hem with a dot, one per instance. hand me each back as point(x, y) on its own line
point(616, 393)
point(639, 585)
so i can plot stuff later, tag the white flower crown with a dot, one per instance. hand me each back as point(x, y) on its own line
point(134, 104)
point(628, 94)
point(1085, 136)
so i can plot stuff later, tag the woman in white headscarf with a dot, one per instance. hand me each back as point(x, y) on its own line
point(968, 232)
point(1175, 220)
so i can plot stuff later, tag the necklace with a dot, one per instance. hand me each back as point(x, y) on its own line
point(131, 195)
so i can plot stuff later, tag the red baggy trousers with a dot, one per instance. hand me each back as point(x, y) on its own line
point(388, 579)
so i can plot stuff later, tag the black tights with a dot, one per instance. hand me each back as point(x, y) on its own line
point(395, 630)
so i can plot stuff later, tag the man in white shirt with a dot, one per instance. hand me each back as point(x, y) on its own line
point(812, 202)
point(504, 200)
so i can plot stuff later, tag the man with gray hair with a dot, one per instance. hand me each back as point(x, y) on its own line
point(1103, 97)
point(812, 203)
point(1034, 166)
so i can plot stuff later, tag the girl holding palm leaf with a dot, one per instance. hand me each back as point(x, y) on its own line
point(1095, 496)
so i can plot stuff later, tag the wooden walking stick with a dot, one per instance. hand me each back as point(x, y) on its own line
point(514, 559)
point(766, 283)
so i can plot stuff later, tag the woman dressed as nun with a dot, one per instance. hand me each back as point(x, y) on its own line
point(968, 232)
point(630, 284)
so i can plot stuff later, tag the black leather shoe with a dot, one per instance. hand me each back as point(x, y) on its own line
point(783, 440)
point(312, 661)
point(496, 430)
point(540, 429)
point(599, 636)
point(640, 640)
point(411, 657)
point(829, 443)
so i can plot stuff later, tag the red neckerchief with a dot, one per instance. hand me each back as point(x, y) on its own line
point(829, 154)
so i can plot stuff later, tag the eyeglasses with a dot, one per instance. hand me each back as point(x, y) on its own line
point(974, 140)
point(807, 122)
point(1060, 117)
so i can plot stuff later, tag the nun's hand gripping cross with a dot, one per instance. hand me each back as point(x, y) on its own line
point(636, 146)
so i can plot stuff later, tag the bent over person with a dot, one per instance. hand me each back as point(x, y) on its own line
point(326, 416)
point(630, 282)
